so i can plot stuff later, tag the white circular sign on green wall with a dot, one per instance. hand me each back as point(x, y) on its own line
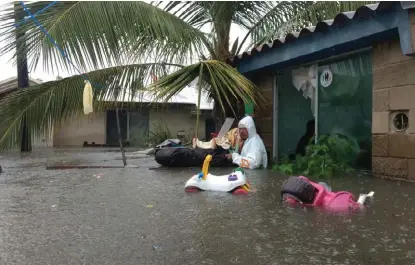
point(326, 78)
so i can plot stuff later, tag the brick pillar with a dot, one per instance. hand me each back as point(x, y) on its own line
point(393, 92)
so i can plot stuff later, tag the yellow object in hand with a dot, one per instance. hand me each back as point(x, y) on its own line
point(205, 167)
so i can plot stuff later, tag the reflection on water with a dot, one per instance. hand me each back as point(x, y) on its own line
point(143, 216)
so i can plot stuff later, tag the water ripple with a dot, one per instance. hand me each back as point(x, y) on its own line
point(142, 216)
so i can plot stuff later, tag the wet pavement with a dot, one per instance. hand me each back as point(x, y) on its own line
point(142, 216)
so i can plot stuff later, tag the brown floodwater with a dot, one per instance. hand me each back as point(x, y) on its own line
point(143, 216)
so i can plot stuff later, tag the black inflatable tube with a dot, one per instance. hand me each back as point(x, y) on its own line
point(189, 157)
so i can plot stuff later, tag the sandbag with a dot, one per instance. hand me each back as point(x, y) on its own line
point(189, 157)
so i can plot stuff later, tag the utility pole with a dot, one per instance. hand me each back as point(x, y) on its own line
point(22, 73)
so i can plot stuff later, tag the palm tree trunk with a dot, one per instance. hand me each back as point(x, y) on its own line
point(22, 74)
point(222, 53)
point(199, 96)
point(124, 159)
point(198, 112)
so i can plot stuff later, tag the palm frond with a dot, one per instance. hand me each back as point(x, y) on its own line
point(194, 13)
point(197, 14)
point(247, 13)
point(274, 15)
point(227, 13)
point(288, 17)
point(223, 83)
point(98, 34)
point(218, 16)
point(51, 103)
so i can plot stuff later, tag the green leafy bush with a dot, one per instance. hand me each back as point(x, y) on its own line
point(332, 155)
point(159, 134)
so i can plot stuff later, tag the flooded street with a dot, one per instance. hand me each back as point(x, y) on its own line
point(143, 216)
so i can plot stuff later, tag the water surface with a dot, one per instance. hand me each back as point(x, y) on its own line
point(142, 216)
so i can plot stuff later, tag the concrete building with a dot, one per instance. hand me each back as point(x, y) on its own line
point(353, 74)
point(178, 115)
point(9, 85)
point(138, 121)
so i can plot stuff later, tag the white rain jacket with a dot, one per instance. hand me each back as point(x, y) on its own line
point(253, 153)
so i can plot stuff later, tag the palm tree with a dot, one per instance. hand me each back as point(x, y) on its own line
point(118, 46)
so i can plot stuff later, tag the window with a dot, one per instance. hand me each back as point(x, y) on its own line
point(400, 122)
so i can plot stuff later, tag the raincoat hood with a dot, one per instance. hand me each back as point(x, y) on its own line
point(249, 124)
point(253, 154)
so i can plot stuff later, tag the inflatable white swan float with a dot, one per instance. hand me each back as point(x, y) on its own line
point(234, 183)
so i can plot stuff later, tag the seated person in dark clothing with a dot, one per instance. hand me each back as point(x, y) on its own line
point(305, 139)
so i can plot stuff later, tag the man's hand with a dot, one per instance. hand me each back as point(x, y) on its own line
point(228, 156)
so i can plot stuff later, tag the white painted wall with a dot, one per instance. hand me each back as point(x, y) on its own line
point(90, 128)
point(43, 141)
point(177, 119)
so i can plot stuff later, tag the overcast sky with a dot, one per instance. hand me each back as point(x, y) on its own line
point(9, 70)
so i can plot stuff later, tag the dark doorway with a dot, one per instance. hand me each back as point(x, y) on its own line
point(138, 131)
point(112, 130)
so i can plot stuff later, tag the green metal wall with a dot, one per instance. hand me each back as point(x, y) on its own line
point(293, 113)
point(345, 106)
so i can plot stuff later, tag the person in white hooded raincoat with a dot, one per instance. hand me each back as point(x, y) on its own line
point(253, 154)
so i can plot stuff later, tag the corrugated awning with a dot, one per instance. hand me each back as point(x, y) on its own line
point(362, 12)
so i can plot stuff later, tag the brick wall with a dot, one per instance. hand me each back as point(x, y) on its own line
point(264, 116)
point(393, 91)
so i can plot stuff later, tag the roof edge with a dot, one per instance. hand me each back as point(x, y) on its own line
point(360, 13)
